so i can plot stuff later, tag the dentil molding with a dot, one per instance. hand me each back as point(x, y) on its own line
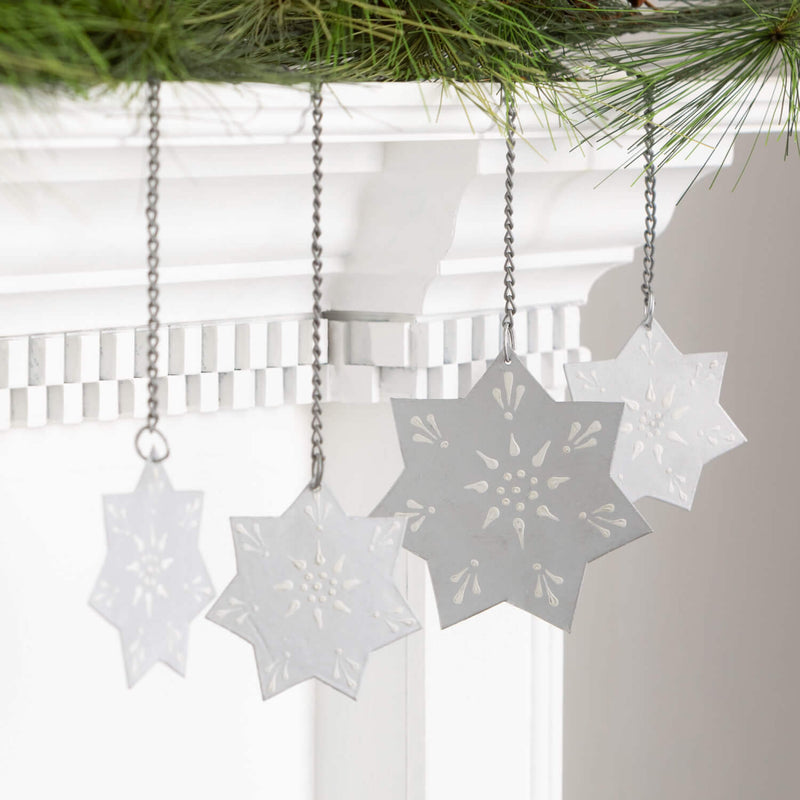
point(237, 364)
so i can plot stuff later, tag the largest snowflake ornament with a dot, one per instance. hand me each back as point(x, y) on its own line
point(508, 494)
point(314, 593)
point(673, 423)
point(154, 581)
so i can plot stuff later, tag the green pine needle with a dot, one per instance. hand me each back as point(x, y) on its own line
point(700, 60)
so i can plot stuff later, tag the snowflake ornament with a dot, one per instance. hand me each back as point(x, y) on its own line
point(314, 593)
point(673, 423)
point(508, 494)
point(153, 582)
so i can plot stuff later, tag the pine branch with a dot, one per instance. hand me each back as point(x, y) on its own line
point(702, 60)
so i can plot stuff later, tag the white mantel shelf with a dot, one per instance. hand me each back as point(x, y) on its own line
point(412, 233)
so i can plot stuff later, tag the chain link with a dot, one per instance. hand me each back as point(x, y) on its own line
point(153, 262)
point(317, 456)
point(508, 238)
point(650, 215)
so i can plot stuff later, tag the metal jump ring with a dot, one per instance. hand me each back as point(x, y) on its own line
point(508, 343)
point(317, 469)
point(156, 459)
point(650, 310)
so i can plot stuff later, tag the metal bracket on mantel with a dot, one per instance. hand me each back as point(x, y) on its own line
point(239, 364)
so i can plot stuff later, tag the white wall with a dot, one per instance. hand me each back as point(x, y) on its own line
point(681, 671)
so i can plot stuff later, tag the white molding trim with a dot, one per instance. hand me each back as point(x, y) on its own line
point(410, 222)
point(239, 364)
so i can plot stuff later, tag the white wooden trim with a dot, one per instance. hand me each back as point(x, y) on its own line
point(237, 364)
point(410, 223)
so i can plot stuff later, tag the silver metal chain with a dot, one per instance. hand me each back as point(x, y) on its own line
point(508, 266)
point(650, 215)
point(155, 436)
point(317, 456)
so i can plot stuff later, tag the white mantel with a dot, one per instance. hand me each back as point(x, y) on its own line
point(410, 218)
point(412, 233)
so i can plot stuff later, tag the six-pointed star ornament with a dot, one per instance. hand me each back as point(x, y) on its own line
point(508, 494)
point(673, 423)
point(153, 582)
point(314, 593)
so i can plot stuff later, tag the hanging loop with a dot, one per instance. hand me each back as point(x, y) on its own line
point(151, 445)
point(649, 311)
point(650, 213)
point(317, 456)
point(509, 295)
point(508, 343)
point(153, 291)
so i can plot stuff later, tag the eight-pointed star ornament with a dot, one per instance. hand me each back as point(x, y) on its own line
point(508, 494)
point(314, 593)
point(153, 582)
point(673, 423)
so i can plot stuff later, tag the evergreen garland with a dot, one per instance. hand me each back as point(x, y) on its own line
point(697, 59)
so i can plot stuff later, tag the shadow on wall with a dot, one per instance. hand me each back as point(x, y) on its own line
point(681, 672)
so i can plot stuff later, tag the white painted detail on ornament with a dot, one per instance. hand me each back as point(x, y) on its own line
point(317, 588)
point(601, 523)
point(544, 579)
point(466, 576)
point(416, 514)
point(430, 431)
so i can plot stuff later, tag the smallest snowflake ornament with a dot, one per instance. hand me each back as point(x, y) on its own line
point(672, 424)
point(154, 581)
